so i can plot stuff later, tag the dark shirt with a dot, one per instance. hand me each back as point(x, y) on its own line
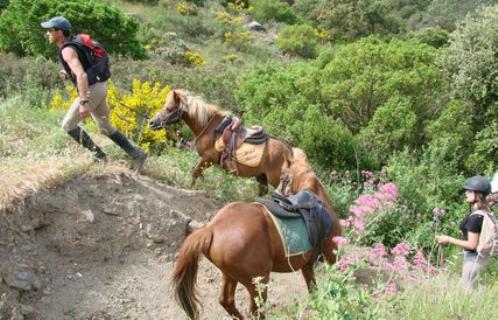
point(472, 223)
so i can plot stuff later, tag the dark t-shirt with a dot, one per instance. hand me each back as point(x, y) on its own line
point(472, 223)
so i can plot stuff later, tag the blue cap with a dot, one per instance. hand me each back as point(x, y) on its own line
point(58, 22)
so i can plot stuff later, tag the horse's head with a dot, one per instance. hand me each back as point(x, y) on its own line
point(172, 110)
point(298, 176)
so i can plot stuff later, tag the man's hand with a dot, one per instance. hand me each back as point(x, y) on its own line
point(84, 110)
point(63, 75)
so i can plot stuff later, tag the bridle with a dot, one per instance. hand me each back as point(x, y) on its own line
point(173, 117)
point(287, 180)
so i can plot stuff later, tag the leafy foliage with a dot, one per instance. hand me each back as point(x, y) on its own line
point(300, 40)
point(20, 30)
point(352, 19)
point(433, 36)
point(470, 63)
point(268, 10)
point(448, 13)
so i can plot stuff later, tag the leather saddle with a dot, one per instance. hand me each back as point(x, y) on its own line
point(306, 205)
point(234, 134)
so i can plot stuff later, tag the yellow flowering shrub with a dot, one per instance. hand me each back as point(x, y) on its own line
point(323, 35)
point(194, 58)
point(61, 101)
point(237, 38)
point(186, 9)
point(233, 19)
point(231, 57)
point(130, 113)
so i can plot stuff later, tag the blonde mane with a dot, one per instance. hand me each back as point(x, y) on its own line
point(199, 109)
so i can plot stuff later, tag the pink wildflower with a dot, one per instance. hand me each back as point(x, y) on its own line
point(376, 259)
point(401, 249)
point(430, 269)
point(438, 212)
point(388, 192)
point(343, 264)
point(391, 288)
point(366, 173)
point(340, 241)
point(400, 263)
point(368, 201)
point(388, 266)
point(379, 250)
point(346, 223)
point(359, 212)
point(419, 260)
point(359, 225)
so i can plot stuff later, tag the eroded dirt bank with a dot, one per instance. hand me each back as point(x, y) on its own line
point(102, 247)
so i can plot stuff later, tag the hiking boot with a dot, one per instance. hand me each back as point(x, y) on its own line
point(138, 155)
point(101, 160)
point(84, 139)
point(139, 160)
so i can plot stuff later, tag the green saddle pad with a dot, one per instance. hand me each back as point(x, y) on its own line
point(293, 234)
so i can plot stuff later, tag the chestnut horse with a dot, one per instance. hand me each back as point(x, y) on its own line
point(203, 118)
point(243, 242)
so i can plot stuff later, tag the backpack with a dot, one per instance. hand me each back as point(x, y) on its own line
point(488, 237)
point(96, 61)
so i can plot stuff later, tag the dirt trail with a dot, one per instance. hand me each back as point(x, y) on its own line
point(102, 247)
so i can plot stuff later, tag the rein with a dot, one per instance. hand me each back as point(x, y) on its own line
point(204, 129)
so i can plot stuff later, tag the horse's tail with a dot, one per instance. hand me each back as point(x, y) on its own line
point(185, 273)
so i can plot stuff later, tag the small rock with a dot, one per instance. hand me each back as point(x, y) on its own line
point(23, 280)
point(79, 275)
point(26, 228)
point(111, 212)
point(17, 315)
point(88, 215)
point(27, 310)
point(255, 26)
point(194, 225)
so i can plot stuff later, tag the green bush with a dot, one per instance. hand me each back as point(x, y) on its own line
point(435, 37)
point(32, 77)
point(271, 10)
point(425, 182)
point(485, 154)
point(299, 40)
point(470, 62)
point(215, 83)
point(20, 30)
point(3, 4)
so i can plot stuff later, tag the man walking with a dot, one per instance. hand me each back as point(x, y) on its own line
point(91, 99)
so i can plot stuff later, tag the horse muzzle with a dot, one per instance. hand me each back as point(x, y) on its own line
point(157, 124)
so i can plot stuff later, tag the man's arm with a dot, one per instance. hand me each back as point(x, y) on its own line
point(71, 57)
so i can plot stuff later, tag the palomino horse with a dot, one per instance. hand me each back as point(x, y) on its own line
point(243, 242)
point(203, 118)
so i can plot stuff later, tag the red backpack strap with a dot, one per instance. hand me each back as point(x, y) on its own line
point(87, 41)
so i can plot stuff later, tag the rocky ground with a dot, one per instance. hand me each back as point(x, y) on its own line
point(103, 247)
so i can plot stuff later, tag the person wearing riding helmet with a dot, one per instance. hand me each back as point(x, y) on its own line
point(476, 190)
point(91, 100)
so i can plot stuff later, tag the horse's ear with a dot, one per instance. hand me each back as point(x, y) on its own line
point(176, 96)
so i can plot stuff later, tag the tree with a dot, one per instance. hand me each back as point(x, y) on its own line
point(20, 30)
point(351, 19)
